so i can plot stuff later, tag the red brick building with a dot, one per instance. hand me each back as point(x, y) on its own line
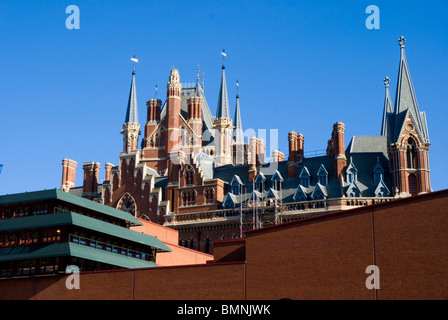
point(202, 175)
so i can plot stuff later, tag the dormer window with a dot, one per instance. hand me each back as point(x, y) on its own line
point(277, 180)
point(352, 172)
point(322, 175)
point(305, 178)
point(378, 172)
point(236, 185)
point(259, 182)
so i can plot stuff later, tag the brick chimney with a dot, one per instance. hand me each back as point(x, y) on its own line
point(336, 148)
point(295, 152)
point(278, 156)
point(68, 174)
point(108, 167)
point(90, 183)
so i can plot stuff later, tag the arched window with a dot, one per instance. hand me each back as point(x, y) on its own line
point(412, 182)
point(189, 175)
point(209, 192)
point(411, 154)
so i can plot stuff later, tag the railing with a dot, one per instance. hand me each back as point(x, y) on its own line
point(285, 208)
point(109, 247)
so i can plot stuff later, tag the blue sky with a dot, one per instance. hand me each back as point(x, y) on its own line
point(301, 66)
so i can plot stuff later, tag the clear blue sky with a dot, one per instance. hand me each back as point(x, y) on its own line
point(301, 65)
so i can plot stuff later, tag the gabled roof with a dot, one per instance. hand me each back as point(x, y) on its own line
point(320, 188)
point(300, 191)
point(322, 170)
point(132, 111)
point(353, 187)
point(381, 188)
point(277, 176)
point(273, 194)
point(236, 180)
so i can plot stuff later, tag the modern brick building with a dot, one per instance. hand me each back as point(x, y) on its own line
point(200, 174)
point(322, 257)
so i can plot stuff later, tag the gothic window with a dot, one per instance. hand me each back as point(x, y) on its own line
point(189, 175)
point(411, 154)
point(412, 182)
point(188, 198)
point(127, 204)
point(209, 192)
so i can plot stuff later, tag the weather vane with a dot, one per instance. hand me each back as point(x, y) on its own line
point(224, 54)
point(135, 60)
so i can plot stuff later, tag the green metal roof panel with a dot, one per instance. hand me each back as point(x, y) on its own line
point(35, 251)
point(36, 222)
point(117, 231)
point(71, 249)
point(70, 198)
point(72, 218)
point(115, 259)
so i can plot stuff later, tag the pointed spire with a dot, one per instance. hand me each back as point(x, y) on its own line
point(197, 92)
point(132, 112)
point(238, 131)
point(223, 100)
point(405, 98)
point(387, 108)
point(203, 76)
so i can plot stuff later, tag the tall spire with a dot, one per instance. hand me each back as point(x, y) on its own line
point(131, 127)
point(405, 98)
point(131, 111)
point(387, 108)
point(198, 86)
point(223, 100)
point(238, 131)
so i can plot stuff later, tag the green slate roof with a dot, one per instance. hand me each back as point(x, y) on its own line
point(56, 194)
point(72, 218)
point(74, 250)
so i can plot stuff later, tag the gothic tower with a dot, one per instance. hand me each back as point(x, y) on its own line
point(131, 127)
point(223, 125)
point(408, 136)
point(173, 106)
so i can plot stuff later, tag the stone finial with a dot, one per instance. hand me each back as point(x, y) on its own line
point(387, 82)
